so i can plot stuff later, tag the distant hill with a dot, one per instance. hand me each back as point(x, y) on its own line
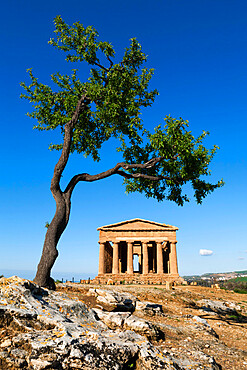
point(219, 276)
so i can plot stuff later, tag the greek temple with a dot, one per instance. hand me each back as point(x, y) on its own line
point(138, 251)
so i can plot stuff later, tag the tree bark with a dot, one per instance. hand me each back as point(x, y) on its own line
point(53, 234)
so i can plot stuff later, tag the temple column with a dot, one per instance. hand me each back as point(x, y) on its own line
point(140, 263)
point(115, 262)
point(101, 258)
point(145, 258)
point(160, 267)
point(154, 259)
point(173, 258)
point(130, 269)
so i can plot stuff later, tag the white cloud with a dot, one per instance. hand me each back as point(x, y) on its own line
point(205, 252)
point(240, 258)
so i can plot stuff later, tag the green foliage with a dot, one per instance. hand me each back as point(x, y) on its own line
point(241, 290)
point(184, 159)
point(116, 93)
point(240, 278)
point(238, 285)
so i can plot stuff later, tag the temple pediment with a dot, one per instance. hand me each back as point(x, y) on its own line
point(137, 224)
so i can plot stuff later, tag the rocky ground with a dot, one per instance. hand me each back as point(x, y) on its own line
point(121, 327)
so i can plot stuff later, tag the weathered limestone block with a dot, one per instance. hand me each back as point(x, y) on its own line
point(39, 364)
point(128, 321)
point(118, 301)
point(149, 308)
point(218, 307)
point(206, 325)
point(168, 285)
point(143, 327)
point(112, 319)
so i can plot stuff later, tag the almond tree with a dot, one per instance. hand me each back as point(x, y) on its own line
point(108, 104)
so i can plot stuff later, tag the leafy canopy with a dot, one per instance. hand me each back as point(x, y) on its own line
point(115, 94)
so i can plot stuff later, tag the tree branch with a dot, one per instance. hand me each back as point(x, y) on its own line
point(116, 171)
point(101, 66)
point(110, 61)
point(68, 129)
point(141, 175)
point(151, 163)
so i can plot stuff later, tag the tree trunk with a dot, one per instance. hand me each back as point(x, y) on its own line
point(61, 218)
point(53, 234)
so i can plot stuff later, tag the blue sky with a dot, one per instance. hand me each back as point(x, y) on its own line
point(198, 50)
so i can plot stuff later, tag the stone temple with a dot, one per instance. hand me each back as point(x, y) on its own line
point(138, 251)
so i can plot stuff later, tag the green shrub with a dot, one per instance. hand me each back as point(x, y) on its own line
point(238, 286)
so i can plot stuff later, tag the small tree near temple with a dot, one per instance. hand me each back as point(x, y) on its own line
point(108, 104)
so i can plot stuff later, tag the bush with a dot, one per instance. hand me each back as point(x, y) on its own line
point(236, 285)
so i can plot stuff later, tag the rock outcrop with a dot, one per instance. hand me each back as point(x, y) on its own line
point(114, 300)
point(47, 330)
point(41, 329)
point(222, 308)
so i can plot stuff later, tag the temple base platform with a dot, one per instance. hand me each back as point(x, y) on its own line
point(136, 278)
